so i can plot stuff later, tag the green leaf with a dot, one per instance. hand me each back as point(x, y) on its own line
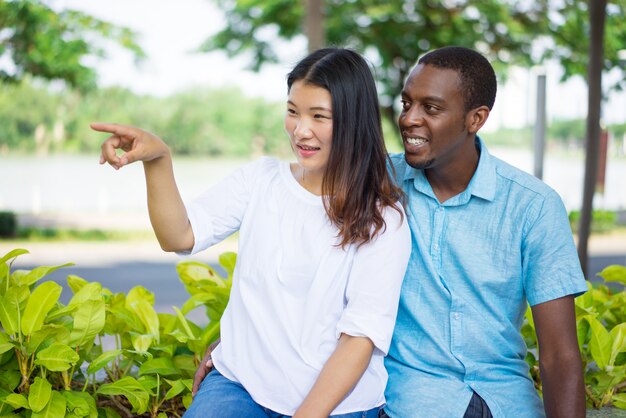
point(57, 358)
point(4, 347)
point(9, 315)
point(228, 261)
point(187, 400)
point(199, 299)
point(619, 400)
point(16, 400)
point(108, 413)
point(618, 335)
point(48, 334)
point(90, 291)
point(39, 395)
point(161, 365)
point(81, 404)
point(102, 360)
point(138, 293)
point(191, 272)
point(75, 283)
point(39, 304)
point(88, 321)
point(148, 317)
point(614, 273)
point(10, 379)
point(177, 387)
point(130, 388)
point(38, 272)
point(54, 409)
point(141, 342)
point(183, 322)
point(149, 382)
point(61, 311)
point(582, 330)
point(600, 343)
point(12, 254)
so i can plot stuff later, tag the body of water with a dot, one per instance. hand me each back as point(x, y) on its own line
point(74, 185)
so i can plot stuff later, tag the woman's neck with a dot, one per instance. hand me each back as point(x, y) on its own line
point(310, 180)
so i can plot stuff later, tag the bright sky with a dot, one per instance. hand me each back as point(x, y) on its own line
point(169, 32)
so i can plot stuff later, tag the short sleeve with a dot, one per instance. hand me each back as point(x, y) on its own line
point(550, 263)
point(374, 283)
point(219, 211)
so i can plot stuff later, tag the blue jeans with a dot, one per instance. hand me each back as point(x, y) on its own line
point(219, 397)
point(477, 408)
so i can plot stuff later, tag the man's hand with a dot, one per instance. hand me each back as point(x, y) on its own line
point(206, 365)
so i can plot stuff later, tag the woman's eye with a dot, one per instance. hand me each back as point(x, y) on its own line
point(320, 116)
point(291, 111)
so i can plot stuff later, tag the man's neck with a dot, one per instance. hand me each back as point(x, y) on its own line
point(452, 178)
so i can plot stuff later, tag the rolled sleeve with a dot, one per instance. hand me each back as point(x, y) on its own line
point(218, 212)
point(374, 284)
point(551, 266)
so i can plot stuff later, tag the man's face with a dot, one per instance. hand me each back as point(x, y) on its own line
point(433, 118)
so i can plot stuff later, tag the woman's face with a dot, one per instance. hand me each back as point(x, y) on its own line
point(309, 124)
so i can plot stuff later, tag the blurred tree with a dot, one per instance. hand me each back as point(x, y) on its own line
point(37, 40)
point(571, 131)
point(394, 33)
point(569, 37)
point(586, 37)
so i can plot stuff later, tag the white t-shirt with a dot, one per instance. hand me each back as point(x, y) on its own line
point(294, 291)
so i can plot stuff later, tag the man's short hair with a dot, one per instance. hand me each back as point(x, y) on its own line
point(478, 79)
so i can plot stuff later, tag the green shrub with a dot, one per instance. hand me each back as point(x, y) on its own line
point(53, 361)
point(601, 329)
point(601, 220)
point(8, 225)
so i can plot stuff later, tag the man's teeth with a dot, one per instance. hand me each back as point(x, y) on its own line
point(416, 141)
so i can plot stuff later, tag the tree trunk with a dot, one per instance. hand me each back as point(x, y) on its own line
point(597, 17)
point(314, 24)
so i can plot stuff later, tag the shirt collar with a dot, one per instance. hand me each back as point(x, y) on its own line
point(482, 184)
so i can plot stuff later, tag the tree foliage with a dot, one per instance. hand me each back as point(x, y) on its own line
point(220, 122)
point(394, 33)
point(35, 39)
point(568, 28)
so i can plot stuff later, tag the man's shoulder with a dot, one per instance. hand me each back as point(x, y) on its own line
point(399, 165)
point(524, 182)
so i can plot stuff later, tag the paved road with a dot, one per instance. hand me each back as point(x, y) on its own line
point(158, 277)
point(121, 266)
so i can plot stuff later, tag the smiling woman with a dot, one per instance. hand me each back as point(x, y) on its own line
point(323, 247)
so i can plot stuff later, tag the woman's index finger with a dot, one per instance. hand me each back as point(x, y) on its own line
point(114, 128)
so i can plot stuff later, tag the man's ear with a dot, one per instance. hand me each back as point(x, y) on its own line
point(476, 118)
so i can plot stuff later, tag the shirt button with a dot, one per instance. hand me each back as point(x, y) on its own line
point(456, 315)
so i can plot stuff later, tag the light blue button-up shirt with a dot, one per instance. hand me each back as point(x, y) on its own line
point(477, 260)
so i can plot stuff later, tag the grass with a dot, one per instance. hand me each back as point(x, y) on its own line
point(65, 234)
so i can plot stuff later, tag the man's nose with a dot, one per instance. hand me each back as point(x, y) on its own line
point(414, 116)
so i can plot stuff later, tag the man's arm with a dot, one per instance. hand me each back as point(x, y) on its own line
point(204, 368)
point(560, 363)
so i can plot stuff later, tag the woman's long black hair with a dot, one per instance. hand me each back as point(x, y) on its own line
point(357, 186)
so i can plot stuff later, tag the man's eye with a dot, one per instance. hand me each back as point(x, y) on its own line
point(405, 104)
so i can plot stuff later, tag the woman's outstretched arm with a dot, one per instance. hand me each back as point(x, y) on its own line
point(168, 215)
